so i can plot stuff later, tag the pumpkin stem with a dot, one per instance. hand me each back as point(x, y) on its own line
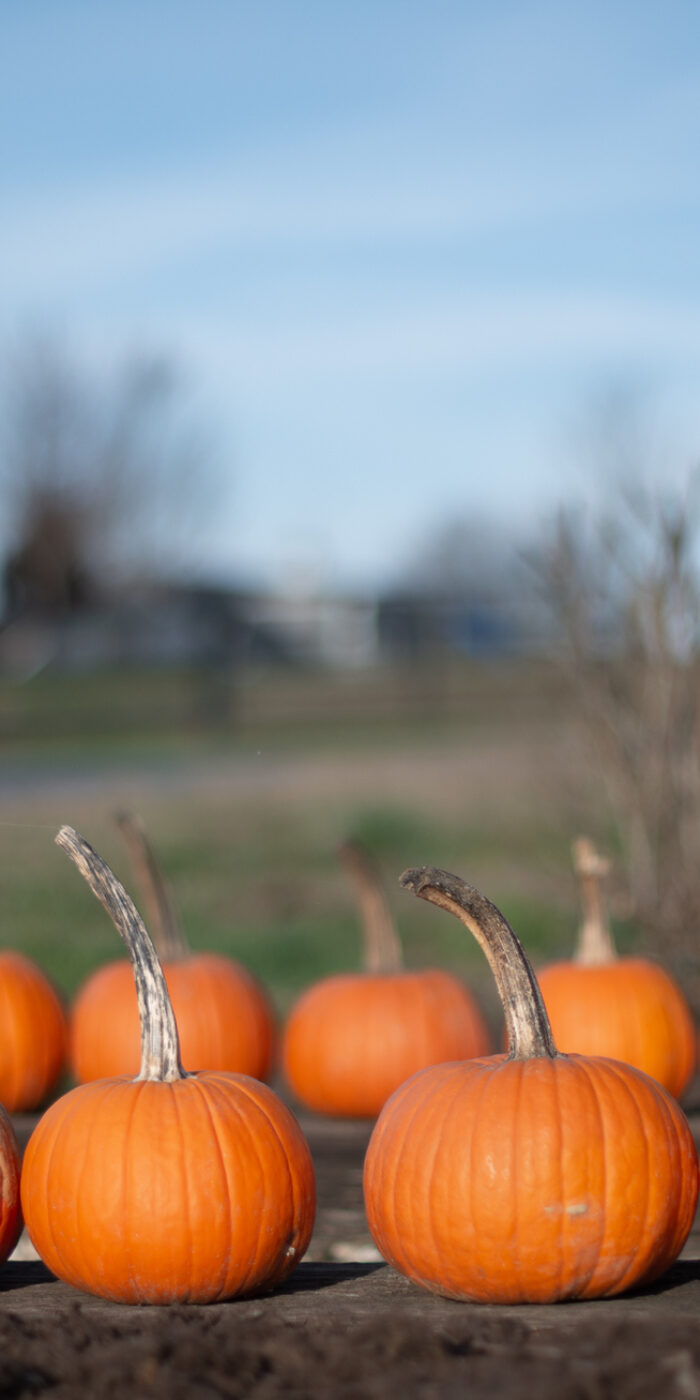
point(160, 1048)
point(382, 950)
point(163, 919)
point(527, 1023)
point(595, 940)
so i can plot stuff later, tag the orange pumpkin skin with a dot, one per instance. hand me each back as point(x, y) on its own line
point(33, 1033)
point(531, 1181)
point(157, 1192)
point(225, 1020)
point(10, 1209)
point(352, 1039)
point(629, 1009)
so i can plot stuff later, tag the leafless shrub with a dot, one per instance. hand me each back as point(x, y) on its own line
point(623, 591)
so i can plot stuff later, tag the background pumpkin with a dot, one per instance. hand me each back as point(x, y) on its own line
point(225, 1018)
point(627, 1007)
point(33, 1033)
point(351, 1039)
point(173, 1186)
point(531, 1177)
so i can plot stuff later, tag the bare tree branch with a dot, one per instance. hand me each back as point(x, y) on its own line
point(624, 594)
point(94, 474)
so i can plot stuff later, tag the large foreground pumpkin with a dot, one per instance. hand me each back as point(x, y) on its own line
point(224, 1016)
point(629, 1008)
point(530, 1177)
point(172, 1186)
point(351, 1039)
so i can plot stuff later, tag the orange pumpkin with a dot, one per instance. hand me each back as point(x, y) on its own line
point(10, 1210)
point(170, 1187)
point(224, 1016)
point(351, 1039)
point(629, 1008)
point(531, 1177)
point(33, 1033)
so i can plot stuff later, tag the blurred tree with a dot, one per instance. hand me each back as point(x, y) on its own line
point(97, 476)
point(464, 589)
point(623, 590)
point(466, 558)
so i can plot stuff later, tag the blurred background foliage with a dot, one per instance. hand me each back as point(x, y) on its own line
point(476, 716)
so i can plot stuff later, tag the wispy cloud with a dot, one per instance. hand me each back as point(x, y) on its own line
point(55, 242)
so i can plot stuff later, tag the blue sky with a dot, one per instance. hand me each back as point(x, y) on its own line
point(397, 247)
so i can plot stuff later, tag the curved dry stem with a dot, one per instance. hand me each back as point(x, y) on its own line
point(160, 1049)
point(382, 949)
point(527, 1023)
point(163, 918)
point(595, 941)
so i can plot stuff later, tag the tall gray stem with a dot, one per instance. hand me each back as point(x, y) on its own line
point(160, 1049)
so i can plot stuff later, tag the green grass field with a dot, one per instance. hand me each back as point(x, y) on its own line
point(246, 814)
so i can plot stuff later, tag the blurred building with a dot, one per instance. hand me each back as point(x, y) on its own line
point(198, 625)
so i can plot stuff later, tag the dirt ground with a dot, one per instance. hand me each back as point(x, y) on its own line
point(346, 1325)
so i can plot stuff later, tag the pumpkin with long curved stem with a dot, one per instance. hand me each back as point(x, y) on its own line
point(170, 1186)
point(33, 1033)
point(352, 1038)
point(224, 1016)
point(529, 1177)
point(627, 1007)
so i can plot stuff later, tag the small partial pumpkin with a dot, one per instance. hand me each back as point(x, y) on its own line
point(225, 1017)
point(33, 1033)
point(170, 1187)
point(10, 1209)
point(352, 1038)
point(530, 1177)
point(627, 1007)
